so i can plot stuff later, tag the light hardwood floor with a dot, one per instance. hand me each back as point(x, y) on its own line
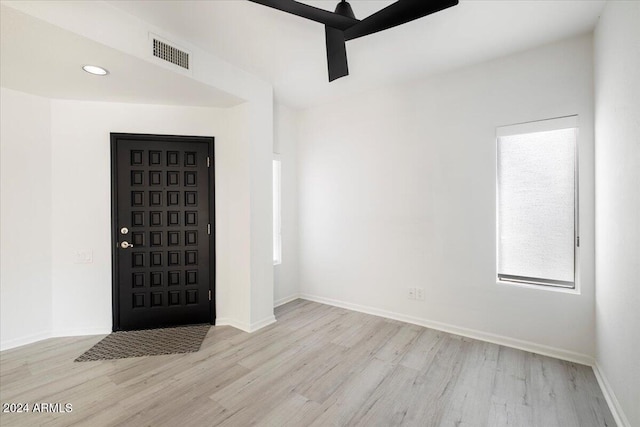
point(317, 366)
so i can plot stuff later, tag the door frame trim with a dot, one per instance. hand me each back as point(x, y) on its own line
point(115, 137)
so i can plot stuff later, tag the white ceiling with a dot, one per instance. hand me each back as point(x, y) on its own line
point(288, 51)
point(42, 59)
point(285, 50)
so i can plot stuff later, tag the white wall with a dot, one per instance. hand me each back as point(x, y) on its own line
point(80, 137)
point(250, 279)
point(56, 166)
point(617, 82)
point(25, 218)
point(232, 223)
point(397, 189)
point(260, 153)
point(286, 281)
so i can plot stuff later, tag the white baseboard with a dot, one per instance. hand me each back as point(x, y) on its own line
point(614, 405)
point(283, 301)
point(226, 321)
point(76, 332)
point(262, 323)
point(29, 339)
point(243, 326)
point(458, 330)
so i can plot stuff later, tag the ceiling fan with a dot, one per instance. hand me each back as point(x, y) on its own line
point(342, 25)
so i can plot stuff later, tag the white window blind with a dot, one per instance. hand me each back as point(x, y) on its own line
point(537, 203)
point(277, 235)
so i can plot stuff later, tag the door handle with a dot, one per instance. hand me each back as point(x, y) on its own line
point(125, 245)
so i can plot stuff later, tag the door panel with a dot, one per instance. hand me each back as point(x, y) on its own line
point(163, 252)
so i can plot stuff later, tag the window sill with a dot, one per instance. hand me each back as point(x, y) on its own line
point(574, 291)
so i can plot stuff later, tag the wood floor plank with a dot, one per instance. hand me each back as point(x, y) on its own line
point(510, 403)
point(349, 363)
point(389, 403)
point(470, 400)
point(433, 388)
point(423, 349)
point(341, 406)
point(594, 409)
point(255, 394)
point(286, 412)
point(396, 348)
point(548, 393)
point(316, 366)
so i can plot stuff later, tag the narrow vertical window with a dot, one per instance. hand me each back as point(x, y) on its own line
point(537, 202)
point(277, 222)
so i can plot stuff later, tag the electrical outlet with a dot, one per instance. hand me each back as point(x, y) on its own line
point(420, 294)
point(412, 293)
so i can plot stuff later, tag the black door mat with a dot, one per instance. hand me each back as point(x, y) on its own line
point(148, 342)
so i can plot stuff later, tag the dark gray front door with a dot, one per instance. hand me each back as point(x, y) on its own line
point(162, 235)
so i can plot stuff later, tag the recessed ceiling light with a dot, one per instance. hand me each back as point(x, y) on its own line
point(94, 69)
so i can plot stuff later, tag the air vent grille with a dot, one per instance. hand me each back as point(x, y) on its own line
point(170, 54)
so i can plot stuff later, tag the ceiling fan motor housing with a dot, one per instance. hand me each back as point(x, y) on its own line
point(344, 8)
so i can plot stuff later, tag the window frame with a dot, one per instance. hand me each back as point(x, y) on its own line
point(543, 125)
point(276, 166)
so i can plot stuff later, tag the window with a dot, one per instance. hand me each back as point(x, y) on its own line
point(277, 235)
point(537, 198)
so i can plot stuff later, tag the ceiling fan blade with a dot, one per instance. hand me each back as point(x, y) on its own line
point(315, 14)
point(398, 13)
point(336, 53)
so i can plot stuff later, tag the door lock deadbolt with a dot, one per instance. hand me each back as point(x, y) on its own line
point(124, 230)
